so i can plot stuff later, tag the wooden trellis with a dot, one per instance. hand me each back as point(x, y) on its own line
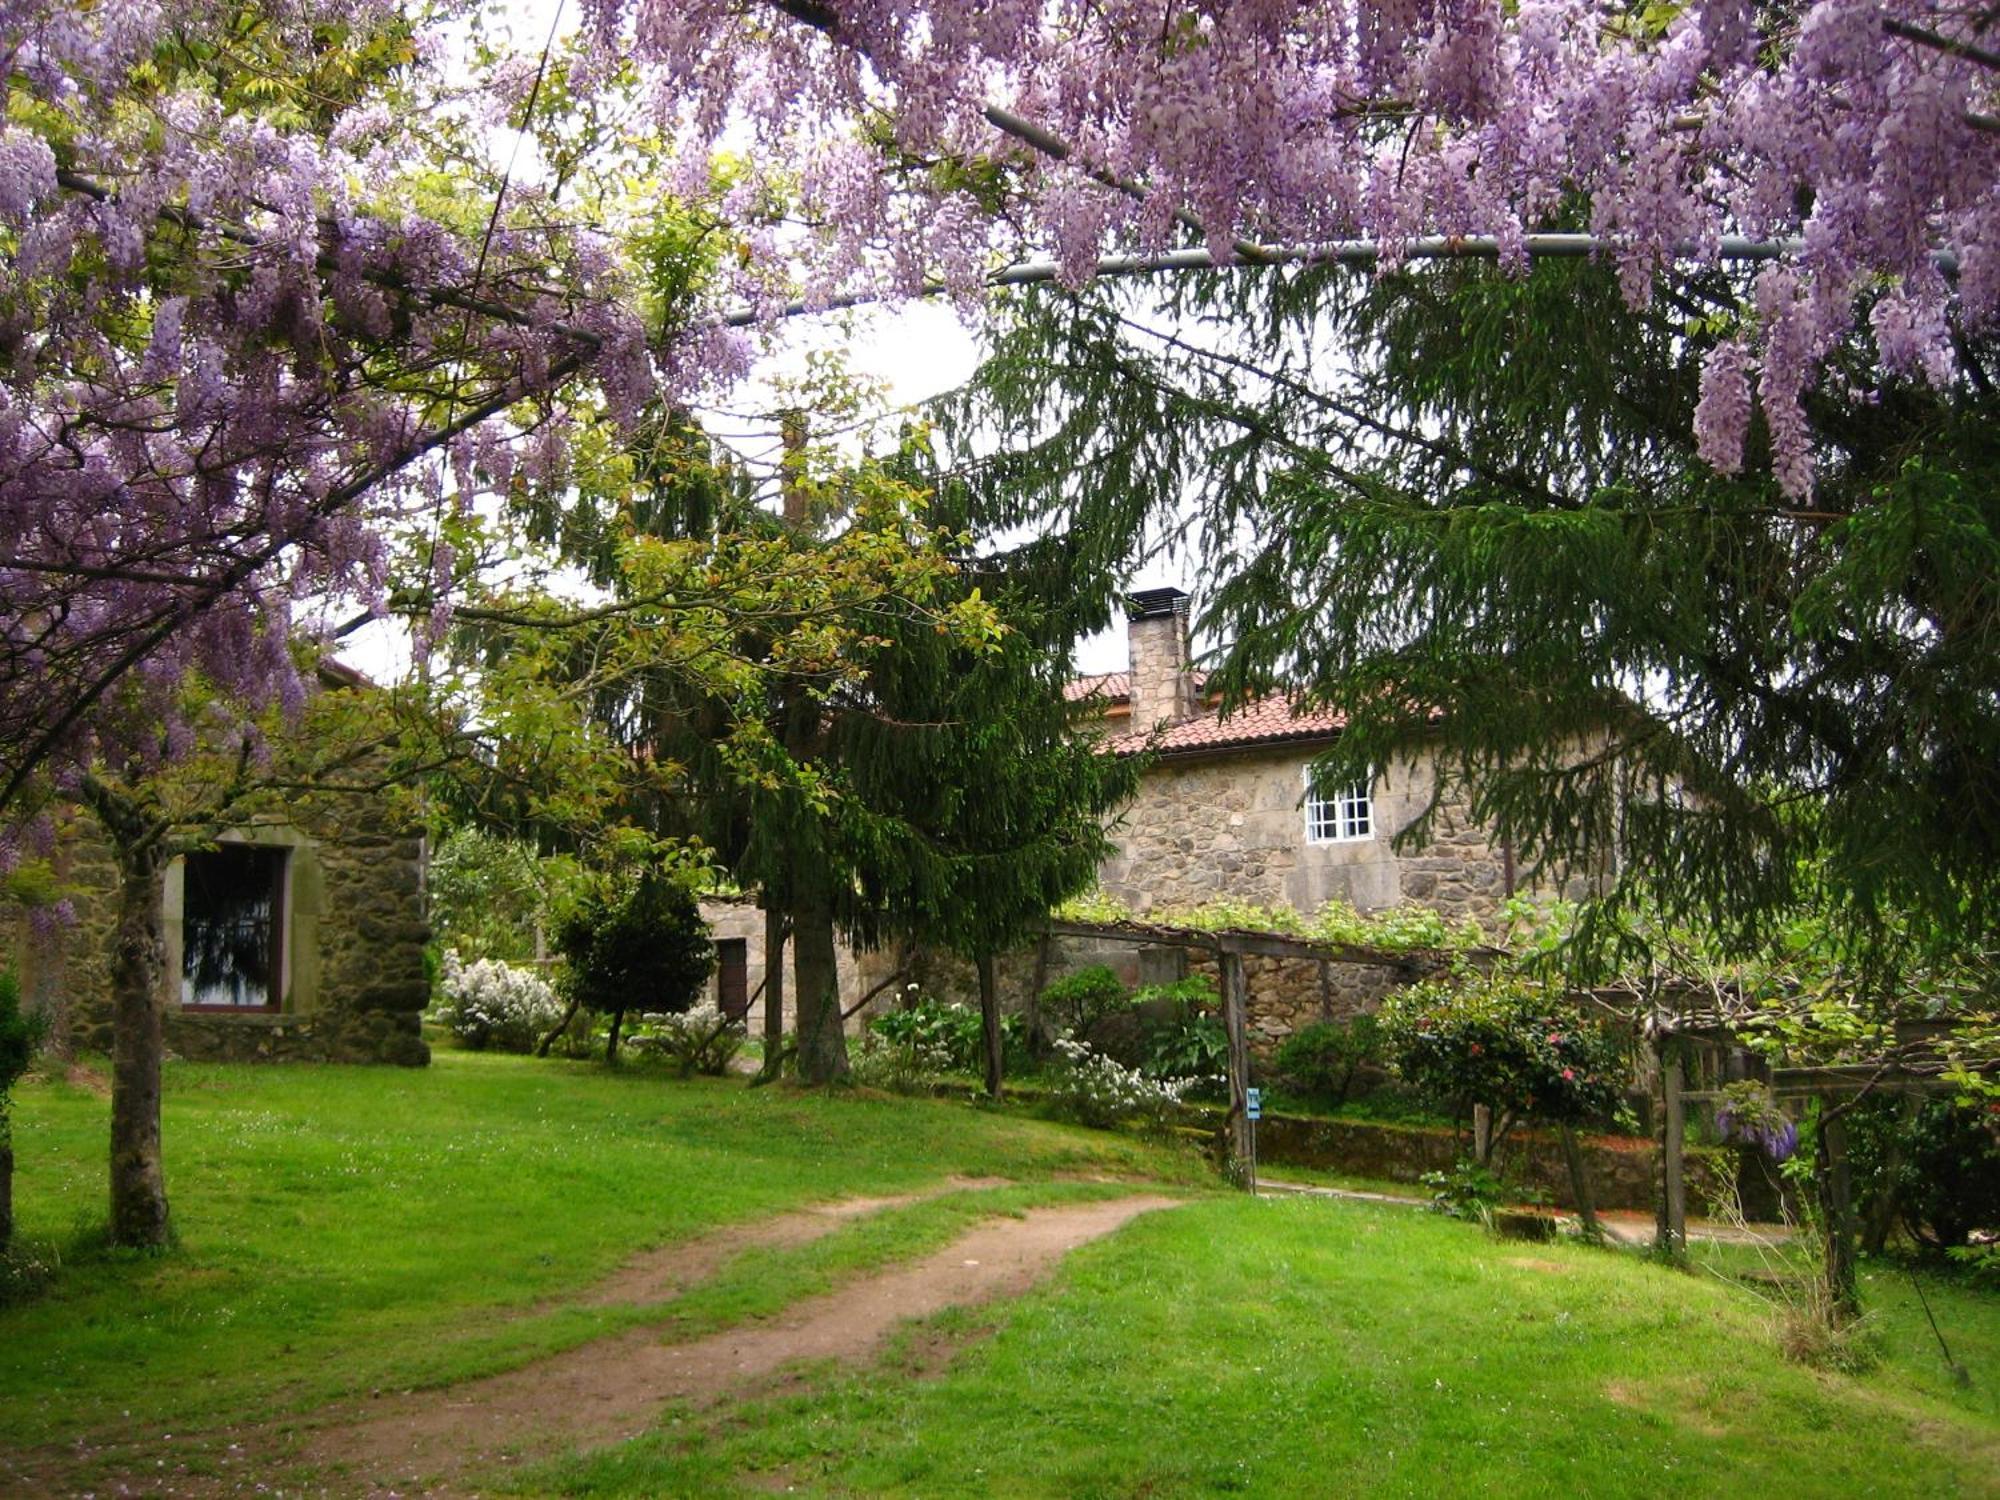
point(1230, 948)
point(1913, 1068)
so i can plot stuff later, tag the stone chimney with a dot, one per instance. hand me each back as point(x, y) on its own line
point(1161, 659)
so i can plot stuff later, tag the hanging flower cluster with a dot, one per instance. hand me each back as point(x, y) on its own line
point(1749, 1115)
point(1861, 135)
point(239, 344)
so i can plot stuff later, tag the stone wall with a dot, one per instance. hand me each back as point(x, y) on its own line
point(1622, 1171)
point(1232, 825)
point(352, 975)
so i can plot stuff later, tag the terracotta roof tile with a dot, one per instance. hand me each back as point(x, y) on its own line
point(1114, 686)
point(1269, 720)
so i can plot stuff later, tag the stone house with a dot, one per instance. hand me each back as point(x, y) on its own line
point(282, 942)
point(1226, 808)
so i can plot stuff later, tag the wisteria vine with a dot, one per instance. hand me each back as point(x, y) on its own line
point(236, 341)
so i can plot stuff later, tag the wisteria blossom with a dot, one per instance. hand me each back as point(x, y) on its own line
point(1859, 141)
point(236, 345)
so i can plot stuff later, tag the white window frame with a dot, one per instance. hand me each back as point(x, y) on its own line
point(1342, 815)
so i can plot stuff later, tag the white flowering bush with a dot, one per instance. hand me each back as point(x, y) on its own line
point(700, 1039)
point(903, 1062)
point(1093, 1089)
point(493, 1004)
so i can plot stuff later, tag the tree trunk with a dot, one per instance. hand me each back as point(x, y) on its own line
point(1579, 1187)
point(611, 1044)
point(138, 980)
point(6, 1193)
point(1041, 982)
point(1839, 1217)
point(542, 1048)
point(1235, 1023)
point(822, 1043)
point(989, 1025)
point(774, 991)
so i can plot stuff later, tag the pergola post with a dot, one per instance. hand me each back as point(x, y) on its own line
point(1837, 1204)
point(1673, 1145)
point(1236, 1025)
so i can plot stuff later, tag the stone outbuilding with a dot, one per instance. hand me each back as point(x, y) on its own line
point(281, 942)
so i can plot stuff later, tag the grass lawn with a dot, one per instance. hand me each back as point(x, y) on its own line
point(347, 1229)
point(1306, 1347)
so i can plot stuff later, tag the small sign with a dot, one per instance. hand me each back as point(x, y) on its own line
point(1253, 1103)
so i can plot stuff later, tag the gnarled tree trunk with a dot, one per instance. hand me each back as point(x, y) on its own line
point(822, 1042)
point(138, 977)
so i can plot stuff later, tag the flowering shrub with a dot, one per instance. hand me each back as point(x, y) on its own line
point(943, 1030)
point(700, 1039)
point(1094, 1089)
point(1505, 1042)
point(906, 1062)
point(493, 1004)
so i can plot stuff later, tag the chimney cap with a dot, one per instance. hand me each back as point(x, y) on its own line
point(1156, 604)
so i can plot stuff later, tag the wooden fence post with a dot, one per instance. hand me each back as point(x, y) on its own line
point(1235, 1023)
point(1673, 1144)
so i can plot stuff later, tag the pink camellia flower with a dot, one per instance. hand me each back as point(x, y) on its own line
point(1568, 1074)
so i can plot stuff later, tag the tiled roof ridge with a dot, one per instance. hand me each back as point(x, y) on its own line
point(1272, 719)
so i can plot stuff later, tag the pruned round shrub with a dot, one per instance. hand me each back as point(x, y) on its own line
point(642, 950)
point(1078, 1001)
point(494, 1004)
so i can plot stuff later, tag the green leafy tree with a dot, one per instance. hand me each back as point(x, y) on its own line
point(641, 949)
point(981, 800)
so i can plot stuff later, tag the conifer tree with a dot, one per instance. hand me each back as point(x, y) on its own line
point(1465, 509)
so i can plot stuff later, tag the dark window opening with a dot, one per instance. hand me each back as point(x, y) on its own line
point(732, 977)
point(231, 929)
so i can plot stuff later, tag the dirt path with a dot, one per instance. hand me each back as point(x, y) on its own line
point(663, 1274)
point(611, 1389)
point(651, 1277)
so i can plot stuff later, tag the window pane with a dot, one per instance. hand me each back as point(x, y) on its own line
point(229, 927)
